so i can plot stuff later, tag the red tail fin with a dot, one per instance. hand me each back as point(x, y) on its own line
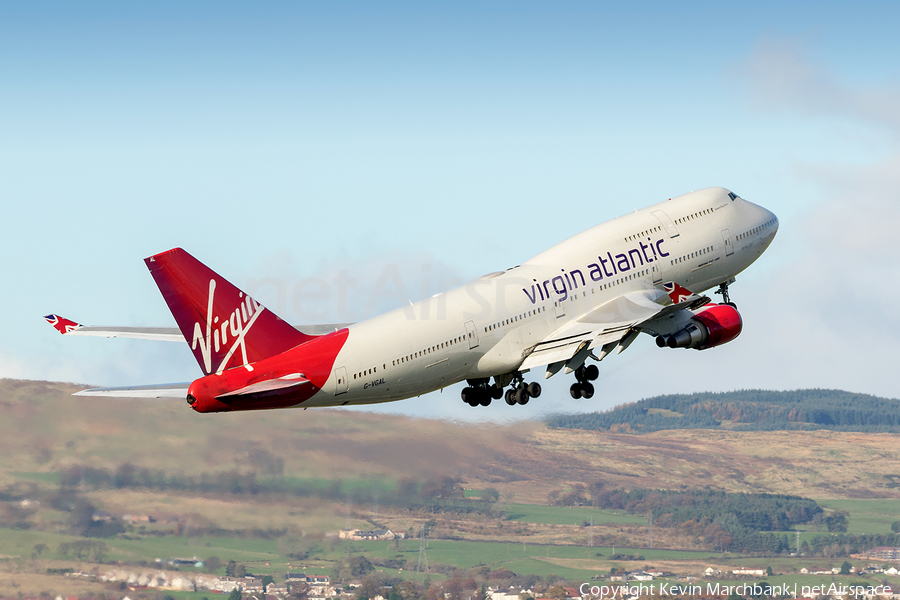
point(224, 327)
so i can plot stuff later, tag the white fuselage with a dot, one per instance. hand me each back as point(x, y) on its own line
point(486, 327)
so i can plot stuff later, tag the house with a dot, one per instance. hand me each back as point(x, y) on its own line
point(642, 576)
point(252, 585)
point(749, 571)
point(884, 553)
point(511, 593)
point(248, 585)
point(138, 518)
point(183, 562)
point(375, 534)
point(816, 571)
point(101, 515)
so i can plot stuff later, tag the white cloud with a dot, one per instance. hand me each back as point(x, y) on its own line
point(780, 74)
point(11, 367)
point(829, 309)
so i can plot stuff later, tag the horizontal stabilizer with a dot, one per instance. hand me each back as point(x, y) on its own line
point(161, 390)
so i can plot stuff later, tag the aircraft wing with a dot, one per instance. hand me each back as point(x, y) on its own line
point(164, 334)
point(163, 390)
point(613, 324)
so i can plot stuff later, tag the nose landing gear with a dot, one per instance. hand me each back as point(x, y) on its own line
point(723, 290)
point(583, 388)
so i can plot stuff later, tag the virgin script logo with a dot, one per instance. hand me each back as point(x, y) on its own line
point(234, 327)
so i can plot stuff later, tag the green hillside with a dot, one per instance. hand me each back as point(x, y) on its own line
point(746, 410)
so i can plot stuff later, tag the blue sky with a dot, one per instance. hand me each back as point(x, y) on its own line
point(286, 143)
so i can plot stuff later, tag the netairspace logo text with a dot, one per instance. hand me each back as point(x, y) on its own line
point(718, 589)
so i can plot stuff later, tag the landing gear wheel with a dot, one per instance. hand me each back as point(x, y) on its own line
point(587, 390)
point(468, 395)
point(534, 389)
point(575, 391)
point(485, 399)
point(510, 396)
point(591, 372)
point(522, 396)
point(496, 391)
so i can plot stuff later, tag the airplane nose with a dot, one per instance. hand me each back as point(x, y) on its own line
point(769, 225)
point(769, 218)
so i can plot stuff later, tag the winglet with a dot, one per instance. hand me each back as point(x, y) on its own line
point(677, 293)
point(62, 325)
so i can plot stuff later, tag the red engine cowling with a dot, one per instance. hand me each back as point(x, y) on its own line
point(712, 325)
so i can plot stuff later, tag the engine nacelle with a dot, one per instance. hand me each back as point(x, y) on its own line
point(712, 325)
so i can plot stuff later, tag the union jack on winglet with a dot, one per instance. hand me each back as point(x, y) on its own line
point(61, 324)
point(677, 293)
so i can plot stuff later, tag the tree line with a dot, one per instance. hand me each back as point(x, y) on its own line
point(757, 512)
point(725, 521)
point(745, 410)
point(437, 494)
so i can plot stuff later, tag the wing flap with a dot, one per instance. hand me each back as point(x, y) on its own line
point(608, 323)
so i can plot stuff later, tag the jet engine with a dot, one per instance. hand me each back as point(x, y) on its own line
point(712, 325)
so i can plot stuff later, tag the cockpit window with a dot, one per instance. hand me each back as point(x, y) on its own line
point(733, 196)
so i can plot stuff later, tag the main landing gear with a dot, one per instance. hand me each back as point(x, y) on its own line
point(583, 388)
point(480, 393)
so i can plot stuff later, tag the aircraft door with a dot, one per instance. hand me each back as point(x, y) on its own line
point(667, 223)
point(656, 270)
point(560, 308)
point(726, 237)
point(471, 334)
point(341, 385)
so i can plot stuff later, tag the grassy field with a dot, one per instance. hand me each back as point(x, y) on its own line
point(568, 515)
point(20, 544)
point(867, 516)
point(526, 558)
